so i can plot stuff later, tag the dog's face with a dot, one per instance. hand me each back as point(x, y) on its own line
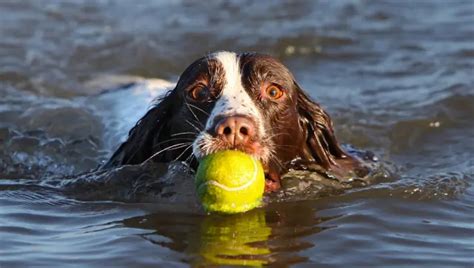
point(247, 102)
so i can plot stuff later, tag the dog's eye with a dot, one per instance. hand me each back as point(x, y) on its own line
point(274, 92)
point(199, 93)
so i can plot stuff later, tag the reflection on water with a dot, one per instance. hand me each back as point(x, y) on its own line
point(235, 239)
point(215, 239)
point(255, 238)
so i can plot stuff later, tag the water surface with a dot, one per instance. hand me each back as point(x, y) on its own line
point(396, 76)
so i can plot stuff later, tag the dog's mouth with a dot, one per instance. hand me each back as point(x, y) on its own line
point(205, 144)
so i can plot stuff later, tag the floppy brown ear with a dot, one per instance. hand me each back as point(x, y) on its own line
point(321, 143)
point(139, 145)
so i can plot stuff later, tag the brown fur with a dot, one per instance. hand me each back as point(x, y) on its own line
point(298, 127)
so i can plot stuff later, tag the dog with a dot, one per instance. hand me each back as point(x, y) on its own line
point(248, 102)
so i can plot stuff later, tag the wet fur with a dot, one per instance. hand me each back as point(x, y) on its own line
point(299, 127)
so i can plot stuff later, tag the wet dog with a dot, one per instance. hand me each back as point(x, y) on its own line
point(249, 102)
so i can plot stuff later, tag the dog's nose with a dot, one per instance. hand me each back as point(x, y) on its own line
point(237, 130)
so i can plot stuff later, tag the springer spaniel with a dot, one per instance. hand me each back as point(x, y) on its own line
point(249, 102)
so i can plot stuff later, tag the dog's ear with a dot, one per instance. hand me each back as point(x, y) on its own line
point(321, 143)
point(139, 145)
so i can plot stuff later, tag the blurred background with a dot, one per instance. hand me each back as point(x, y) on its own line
point(396, 76)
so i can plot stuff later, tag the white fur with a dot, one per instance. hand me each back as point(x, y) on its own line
point(120, 109)
point(234, 100)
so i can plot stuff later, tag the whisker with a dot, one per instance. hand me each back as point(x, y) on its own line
point(184, 151)
point(199, 109)
point(190, 158)
point(194, 126)
point(175, 139)
point(284, 145)
point(192, 112)
point(276, 135)
point(274, 159)
point(184, 133)
point(207, 147)
point(172, 147)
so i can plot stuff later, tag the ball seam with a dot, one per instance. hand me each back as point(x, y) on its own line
point(238, 188)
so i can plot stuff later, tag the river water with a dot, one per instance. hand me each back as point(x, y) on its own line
point(396, 76)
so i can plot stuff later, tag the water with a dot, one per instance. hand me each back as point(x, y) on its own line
point(396, 76)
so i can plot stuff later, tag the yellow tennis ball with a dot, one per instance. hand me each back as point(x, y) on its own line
point(235, 239)
point(230, 182)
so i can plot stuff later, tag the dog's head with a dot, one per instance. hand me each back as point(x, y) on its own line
point(249, 102)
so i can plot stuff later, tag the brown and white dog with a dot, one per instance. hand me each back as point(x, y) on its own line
point(249, 102)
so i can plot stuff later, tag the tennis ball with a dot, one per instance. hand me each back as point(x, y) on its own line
point(234, 240)
point(230, 182)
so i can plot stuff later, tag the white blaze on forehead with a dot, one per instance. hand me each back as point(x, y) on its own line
point(234, 99)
